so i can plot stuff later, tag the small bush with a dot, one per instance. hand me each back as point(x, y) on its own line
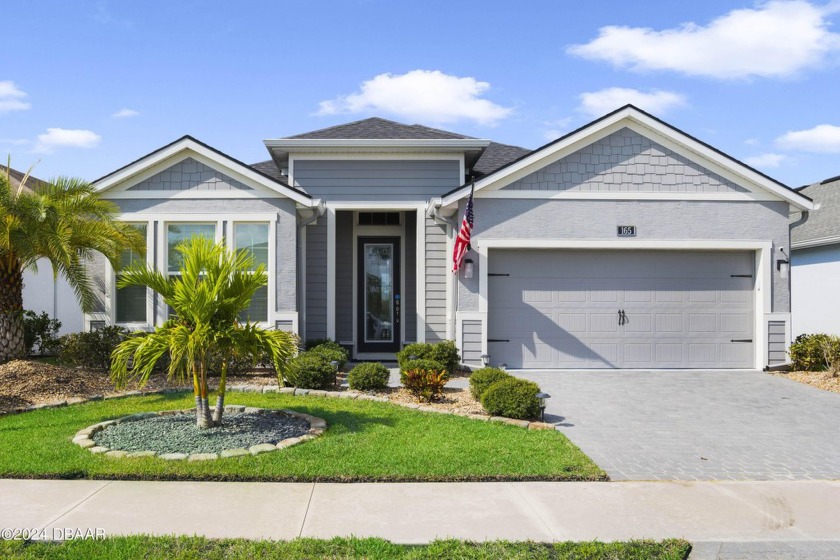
point(40, 331)
point(91, 349)
point(419, 364)
point(482, 378)
point(425, 383)
point(831, 354)
point(370, 376)
point(331, 351)
point(807, 352)
point(310, 371)
point(512, 398)
point(445, 353)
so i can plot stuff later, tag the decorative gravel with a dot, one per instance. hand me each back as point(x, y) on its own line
point(179, 433)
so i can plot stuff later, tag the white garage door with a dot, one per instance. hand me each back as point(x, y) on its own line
point(621, 309)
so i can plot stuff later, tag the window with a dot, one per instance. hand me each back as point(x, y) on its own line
point(253, 239)
point(131, 300)
point(379, 218)
point(177, 234)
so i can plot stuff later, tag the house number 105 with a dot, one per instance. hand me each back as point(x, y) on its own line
point(627, 231)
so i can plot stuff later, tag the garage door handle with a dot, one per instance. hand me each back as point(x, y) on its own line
point(741, 340)
point(498, 340)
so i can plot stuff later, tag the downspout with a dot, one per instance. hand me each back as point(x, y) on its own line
point(319, 209)
point(803, 217)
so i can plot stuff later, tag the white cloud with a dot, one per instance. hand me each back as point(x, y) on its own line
point(765, 161)
point(599, 103)
point(11, 98)
point(556, 128)
point(824, 139)
point(125, 113)
point(776, 39)
point(66, 138)
point(424, 95)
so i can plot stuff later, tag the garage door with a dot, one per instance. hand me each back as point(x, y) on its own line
point(621, 309)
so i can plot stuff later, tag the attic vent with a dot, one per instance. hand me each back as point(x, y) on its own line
point(379, 218)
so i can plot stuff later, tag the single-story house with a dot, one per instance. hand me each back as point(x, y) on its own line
point(815, 261)
point(626, 243)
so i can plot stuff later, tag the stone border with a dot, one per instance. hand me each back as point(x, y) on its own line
point(297, 392)
point(317, 426)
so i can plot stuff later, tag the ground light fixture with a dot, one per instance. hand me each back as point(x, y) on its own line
point(542, 397)
point(334, 364)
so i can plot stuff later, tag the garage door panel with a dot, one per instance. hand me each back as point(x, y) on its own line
point(561, 308)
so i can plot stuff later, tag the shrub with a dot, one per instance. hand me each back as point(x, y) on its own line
point(445, 353)
point(41, 331)
point(419, 364)
point(807, 352)
point(370, 376)
point(512, 398)
point(310, 371)
point(91, 349)
point(330, 351)
point(482, 378)
point(831, 354)
point(424, 382)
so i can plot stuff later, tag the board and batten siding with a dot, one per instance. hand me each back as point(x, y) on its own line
point(316, 280)
point(776, 343)
point(436, 278)
point(377, 180)
point(625, 161)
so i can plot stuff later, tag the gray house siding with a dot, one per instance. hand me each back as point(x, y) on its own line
point(344, 276)
point(625, 161)
point(436, 278)
point(660, 220)
point(337, 180)
point(471, 341)
point(776, 343)
point(409, 303)
point(190, 174)
point(316, 280)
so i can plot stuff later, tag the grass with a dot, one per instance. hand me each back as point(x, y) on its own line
point(366, 441)
point(176, 548)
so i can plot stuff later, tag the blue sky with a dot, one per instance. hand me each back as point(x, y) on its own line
point(86, 87)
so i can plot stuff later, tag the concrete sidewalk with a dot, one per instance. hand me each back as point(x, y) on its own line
point(796, 511)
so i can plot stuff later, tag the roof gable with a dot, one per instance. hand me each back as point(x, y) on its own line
point(823, 227)
point(210, 171)
point(647, 126)
point(376, 128)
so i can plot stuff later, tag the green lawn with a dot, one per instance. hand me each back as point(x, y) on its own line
point(177, 548)
point(366, 441)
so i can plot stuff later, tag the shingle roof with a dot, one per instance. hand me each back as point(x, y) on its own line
point(376, 128)
point(16, 177)
point(269, 168)
point(825, 222)
point(495, 156)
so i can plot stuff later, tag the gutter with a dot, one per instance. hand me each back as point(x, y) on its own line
point(433, 211)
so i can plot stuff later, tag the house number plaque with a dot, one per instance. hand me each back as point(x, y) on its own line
point(627, 231)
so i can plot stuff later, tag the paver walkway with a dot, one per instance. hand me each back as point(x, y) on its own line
point(710, 425)
point(786, 514)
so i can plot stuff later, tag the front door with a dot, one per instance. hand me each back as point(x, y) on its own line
point(378, 299)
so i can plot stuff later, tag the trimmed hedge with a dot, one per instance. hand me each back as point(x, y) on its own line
point(445, 353)
point(482, 378)
point(512, 398)
point(331, 351)
point(369, 376)
point(310, 371)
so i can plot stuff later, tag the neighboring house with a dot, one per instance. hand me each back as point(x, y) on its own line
point(624, 244)
point(815, 261)
point(42, 291)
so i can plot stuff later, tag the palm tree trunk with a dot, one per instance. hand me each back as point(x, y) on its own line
point(204, 419)
point(11, 310)
point(220, 398)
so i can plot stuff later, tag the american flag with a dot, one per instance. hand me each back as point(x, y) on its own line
point(462, 243)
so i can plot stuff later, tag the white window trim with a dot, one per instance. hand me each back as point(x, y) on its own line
point(271, 265)
point(625, 195)
point(763, 271)
point(110, 314)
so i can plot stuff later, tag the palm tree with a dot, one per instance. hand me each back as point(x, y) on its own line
point(63, 221)
point(208, 295)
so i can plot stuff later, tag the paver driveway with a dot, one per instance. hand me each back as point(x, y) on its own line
point(709, 425)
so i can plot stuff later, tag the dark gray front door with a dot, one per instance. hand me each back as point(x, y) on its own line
point(378, 301)
point(621, 309)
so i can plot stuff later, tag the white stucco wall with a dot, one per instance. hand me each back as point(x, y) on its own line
point(815, 290)
point(42, 293)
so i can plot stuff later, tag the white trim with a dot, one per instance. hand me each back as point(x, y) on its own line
point(625, 195)
point(420, 284)
point(180, 150)
point(190, 194)
point(330, 213)
point(111, 285)
point(815, 242)
point(390, 144)
point(763, 269)
point(634, 119)
point(407, 156)
point(451, 287)
point(292, 316)
point(271, 266)
point(364, 205)
point(302, 276)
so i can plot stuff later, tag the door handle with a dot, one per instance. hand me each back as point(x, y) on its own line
point(622, 317)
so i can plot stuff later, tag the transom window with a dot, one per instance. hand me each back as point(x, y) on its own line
point(379, 218)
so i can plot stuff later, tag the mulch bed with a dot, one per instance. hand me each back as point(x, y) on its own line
point(819, 379)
